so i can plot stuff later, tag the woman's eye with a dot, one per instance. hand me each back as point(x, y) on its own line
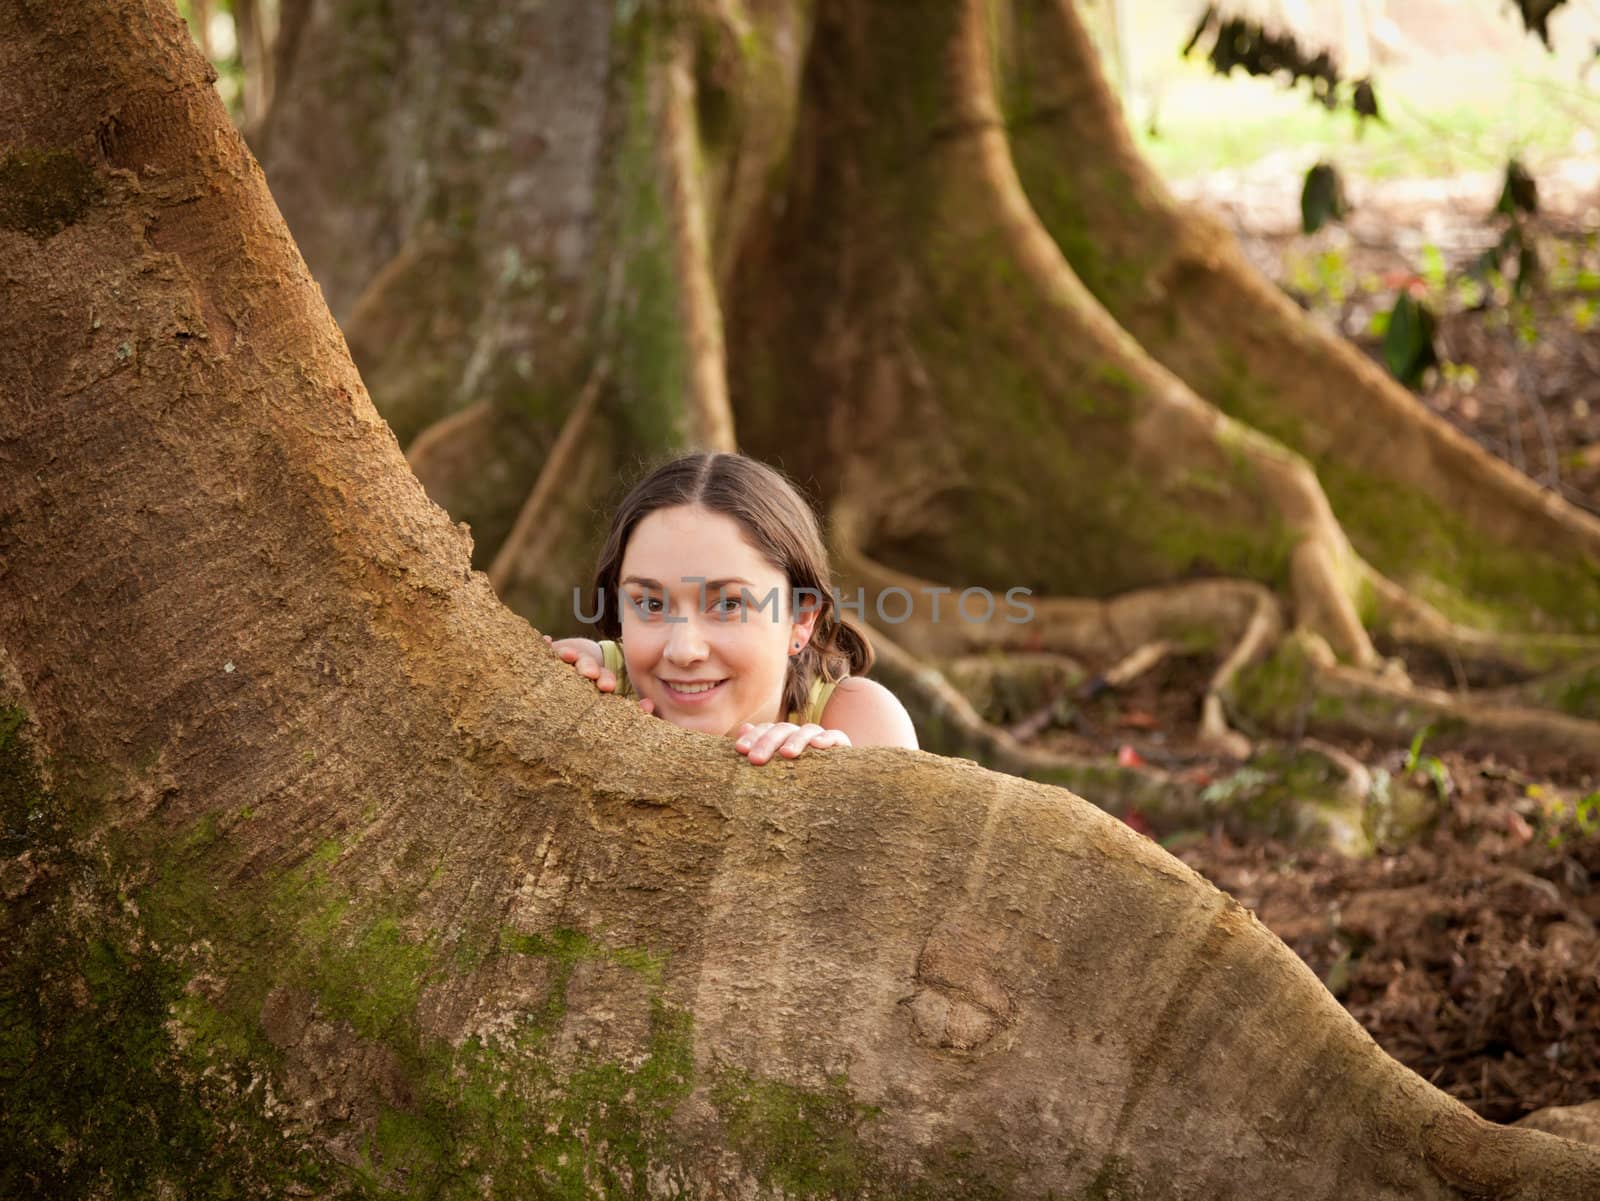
point(726, 604)
point(648, 606)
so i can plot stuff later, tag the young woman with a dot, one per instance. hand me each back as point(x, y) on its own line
point(714, 593)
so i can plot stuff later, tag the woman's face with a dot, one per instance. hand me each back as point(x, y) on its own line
point(706, 622)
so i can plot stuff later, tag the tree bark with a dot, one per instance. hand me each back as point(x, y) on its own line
point(360, 890)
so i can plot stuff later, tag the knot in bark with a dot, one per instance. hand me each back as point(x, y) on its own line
point(960, 1004)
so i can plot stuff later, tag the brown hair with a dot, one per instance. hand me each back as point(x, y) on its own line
point(779, 525)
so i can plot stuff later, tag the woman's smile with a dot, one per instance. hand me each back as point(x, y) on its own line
point(687, 692)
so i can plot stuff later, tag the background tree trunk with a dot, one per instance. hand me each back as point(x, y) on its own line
point(321, 875)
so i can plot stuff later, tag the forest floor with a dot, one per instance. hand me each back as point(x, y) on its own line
point(1471, 954)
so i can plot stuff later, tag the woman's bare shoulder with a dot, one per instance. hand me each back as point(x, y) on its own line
point(869, 713)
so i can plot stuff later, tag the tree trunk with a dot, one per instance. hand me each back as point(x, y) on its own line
point(315, 886)
point(255, 60)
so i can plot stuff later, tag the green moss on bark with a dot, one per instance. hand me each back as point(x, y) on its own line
point(515, 1115)
point(1470, 579)
point(649, 403)
point(44, 191)
point(806, 1143)
point(99, 1094)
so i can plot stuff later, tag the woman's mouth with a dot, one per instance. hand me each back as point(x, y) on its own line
point(692, 692)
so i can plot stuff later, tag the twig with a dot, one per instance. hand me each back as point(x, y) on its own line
point(1132, 666)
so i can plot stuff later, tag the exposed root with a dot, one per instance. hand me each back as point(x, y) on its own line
point(403, 331)
point(1581, 1123)
point(1314, 795)
point(1325, 572)
point(1017, 693)
point(1260, 631)
point(1310, 794)
point(433, 443)
point(1191, 615)
point(1357, 783)
point(475, 464)
point(1574, 689)
point(1131, 666)
point(950, 722)
point(1303, 688)
point(1413, 622)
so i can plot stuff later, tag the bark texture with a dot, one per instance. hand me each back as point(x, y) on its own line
point(324, 877)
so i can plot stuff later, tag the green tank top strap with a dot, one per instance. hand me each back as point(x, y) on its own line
point(611, 655)
point(816, 702)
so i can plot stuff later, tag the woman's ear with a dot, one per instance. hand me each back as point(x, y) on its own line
point(805, 625)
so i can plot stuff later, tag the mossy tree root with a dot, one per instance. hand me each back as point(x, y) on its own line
point(1275, 797)
point(947, 719)
point(1303, 688)
point(1093, 415)
point(1471, 651)
point(979, 192)
point(1322, 567)
point(1238, 619)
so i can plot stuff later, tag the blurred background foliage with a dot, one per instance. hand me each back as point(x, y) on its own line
point(1461, 85)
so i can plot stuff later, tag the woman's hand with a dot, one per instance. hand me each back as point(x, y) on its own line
point(588, 660)
point(759, 742)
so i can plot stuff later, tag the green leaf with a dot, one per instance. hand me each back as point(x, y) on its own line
point(1365, 101)
point(1414, 755)
point(1408, 348)
point(1322, 198)
point(1536, 14)
point(1520, 193)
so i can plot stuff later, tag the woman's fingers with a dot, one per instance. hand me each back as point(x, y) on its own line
point(762, 741)
point(591, 668)
point(803, 737)
point(756, 740)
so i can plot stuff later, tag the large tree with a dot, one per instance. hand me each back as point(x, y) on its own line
point(322, 877)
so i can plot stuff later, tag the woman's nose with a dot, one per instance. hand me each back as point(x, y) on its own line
point(685, 643)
